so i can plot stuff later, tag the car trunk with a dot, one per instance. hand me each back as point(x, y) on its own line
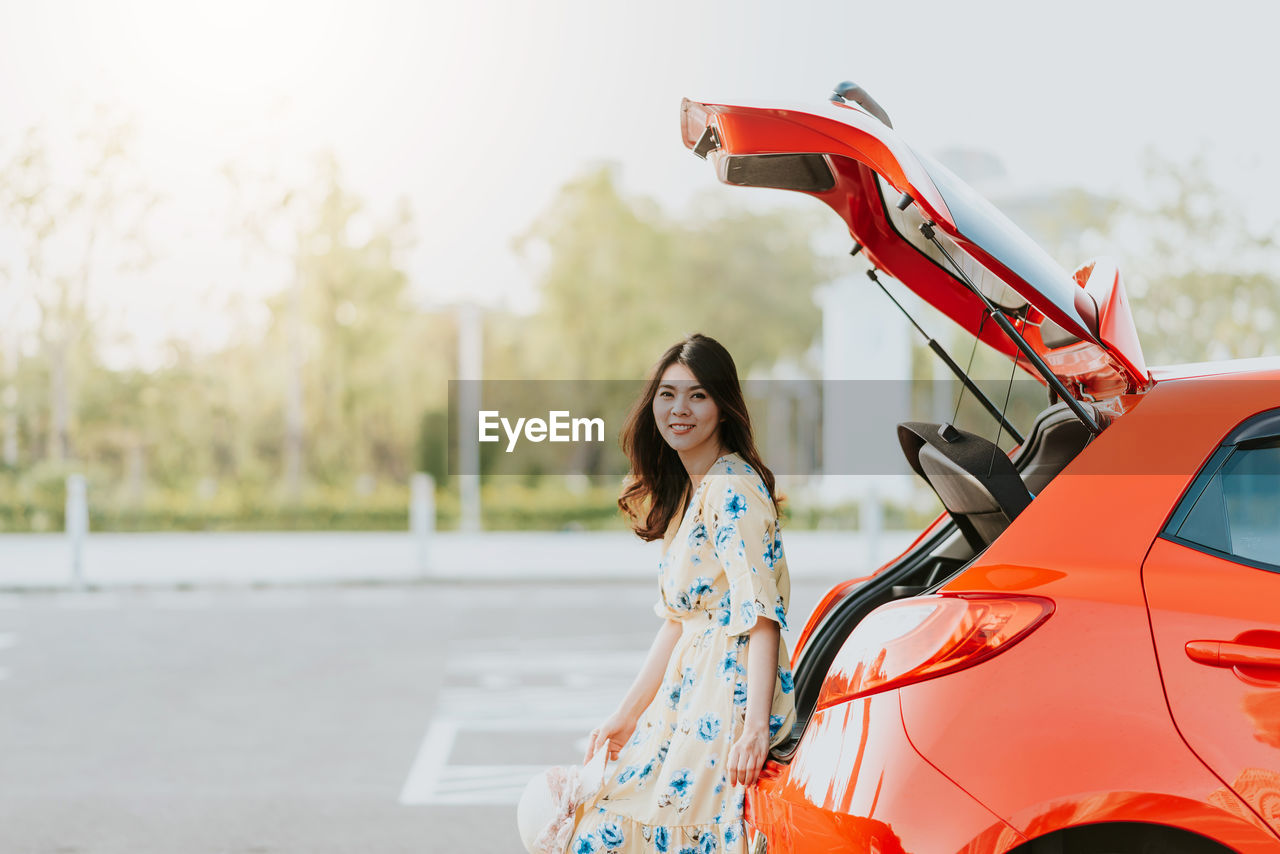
point(970, 257)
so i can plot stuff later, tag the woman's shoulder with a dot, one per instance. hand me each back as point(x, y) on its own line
point(734, 487)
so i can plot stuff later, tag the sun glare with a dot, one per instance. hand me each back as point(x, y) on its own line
point(186, 60)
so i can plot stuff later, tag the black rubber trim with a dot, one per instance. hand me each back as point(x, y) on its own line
point(1263, 426)
point(1122, 837)
point(1256, 429)
point(1260, 426)
point(1227, 556)
point(1189, 498)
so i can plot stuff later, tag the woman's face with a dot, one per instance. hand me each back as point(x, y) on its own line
point(687, 417)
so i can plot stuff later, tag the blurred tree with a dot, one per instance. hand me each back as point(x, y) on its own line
point(1208, 282)
point(268, 216)
point(344, 340)
point(73, 223)
point(1203, 282)
point(621, 282)
point(1069, 223)
point(364, 372)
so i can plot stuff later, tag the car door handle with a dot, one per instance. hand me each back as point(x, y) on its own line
point(1232, 654)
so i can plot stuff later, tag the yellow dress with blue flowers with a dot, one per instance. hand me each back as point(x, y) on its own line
point(722, 569)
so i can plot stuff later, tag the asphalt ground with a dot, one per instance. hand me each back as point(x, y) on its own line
point(317, 719)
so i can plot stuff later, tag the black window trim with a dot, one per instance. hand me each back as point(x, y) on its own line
point(1254, 430)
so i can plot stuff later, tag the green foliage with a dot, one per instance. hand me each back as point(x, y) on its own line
point(341, 375)
point(1209, 282)
point(1203, 281)
point(432, 453)
point(623, 282)
point(333, 390)
point(35, 502)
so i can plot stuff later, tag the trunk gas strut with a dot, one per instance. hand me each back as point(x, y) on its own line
point(1081, 412)
point(986, 402)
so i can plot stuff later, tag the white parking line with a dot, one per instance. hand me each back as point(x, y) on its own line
point(590, 684)
point(429, 764)
point(483, 784)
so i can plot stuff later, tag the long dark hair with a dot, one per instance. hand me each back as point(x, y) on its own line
point(655, 488)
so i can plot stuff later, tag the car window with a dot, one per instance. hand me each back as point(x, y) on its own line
point(1236, 512)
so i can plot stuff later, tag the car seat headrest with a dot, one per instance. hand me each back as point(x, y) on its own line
point(972, 477)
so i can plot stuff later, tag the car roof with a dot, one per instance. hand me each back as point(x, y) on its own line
point(1227, 367)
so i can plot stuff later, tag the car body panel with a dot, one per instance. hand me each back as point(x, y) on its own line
point(1104, 746)
point(1117, 735)
point(855, 783)
point(1262, 368)
point(860, 151)
point(1230, 717)
point(1083, 745)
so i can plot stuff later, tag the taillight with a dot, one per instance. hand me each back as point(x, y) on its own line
point(915, 639)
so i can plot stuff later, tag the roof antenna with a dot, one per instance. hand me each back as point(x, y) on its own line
point(847, 91)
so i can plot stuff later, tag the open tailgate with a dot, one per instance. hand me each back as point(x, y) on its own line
point(1080, 324)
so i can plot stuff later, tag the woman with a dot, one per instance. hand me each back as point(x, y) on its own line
point(714, 693)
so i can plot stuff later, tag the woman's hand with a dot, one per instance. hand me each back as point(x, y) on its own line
point(619, 726)
point(747, 756)
point(614, 732)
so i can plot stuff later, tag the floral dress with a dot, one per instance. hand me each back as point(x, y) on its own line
point(722, 569)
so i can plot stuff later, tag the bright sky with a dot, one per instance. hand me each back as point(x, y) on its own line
point(477, 112)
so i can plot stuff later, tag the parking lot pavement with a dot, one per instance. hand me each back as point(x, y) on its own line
point(539, 696)
point(316, 720)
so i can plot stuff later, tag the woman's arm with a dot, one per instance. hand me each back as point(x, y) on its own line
point(617, 728)
point(749, 752)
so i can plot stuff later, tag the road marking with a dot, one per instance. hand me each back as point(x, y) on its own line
point(586, 690)
point(483, 784)
point(429, 764)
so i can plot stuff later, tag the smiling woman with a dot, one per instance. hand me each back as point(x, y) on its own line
point(715, 692)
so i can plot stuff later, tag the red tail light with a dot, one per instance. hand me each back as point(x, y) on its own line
point(916, 639)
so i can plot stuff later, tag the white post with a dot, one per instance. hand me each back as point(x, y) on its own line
point(422, 517)
point(871, 521)
point(470, 371)
point(77, 525)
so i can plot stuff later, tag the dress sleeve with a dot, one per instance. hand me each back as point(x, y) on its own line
point(660, 607)
point(748, 545)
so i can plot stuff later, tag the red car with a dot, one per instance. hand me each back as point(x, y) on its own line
point(1083, 653)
